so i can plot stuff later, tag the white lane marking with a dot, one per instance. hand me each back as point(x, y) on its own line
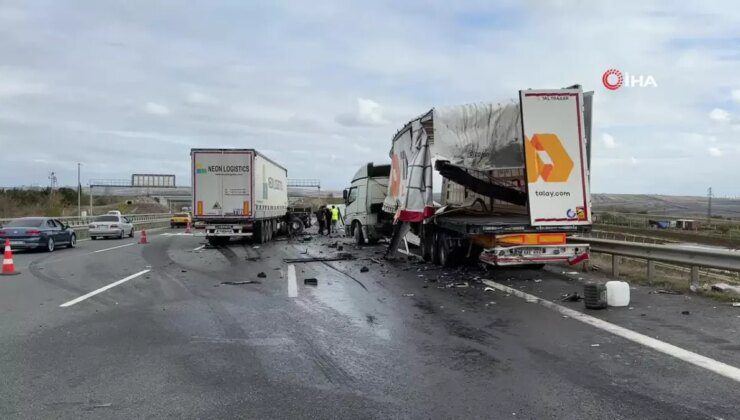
point(103, 289)
point(115, 247)
point(687, 356)
point(199, 248)
point(292, 283)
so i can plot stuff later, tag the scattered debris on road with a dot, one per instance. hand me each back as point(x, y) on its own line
point(573, 297)
point(664, 292)
point(408, 294)
point(537, 280)
point(489, 289)
point(262, 275)
point(595, 345)
point(685, 313)
point(461, 284)
point(724, 288)
point(311, 281)
point(736, 304)
point(364, 269)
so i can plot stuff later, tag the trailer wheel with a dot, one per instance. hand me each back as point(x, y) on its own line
point(258, 234)
point(357, 233)
point(427, 243)
point(436, 243)
point(446, 254)
point(296, 226)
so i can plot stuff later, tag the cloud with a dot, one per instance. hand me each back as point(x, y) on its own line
point(633, 160)
point(199, 98)
point(156, 109)
point(368, 113)
point(608, 141)
point(309, 80)
point(719, 115)
point(736, 95)
point(715, 152)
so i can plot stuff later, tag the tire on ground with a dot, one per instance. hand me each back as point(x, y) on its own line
point(295, 227)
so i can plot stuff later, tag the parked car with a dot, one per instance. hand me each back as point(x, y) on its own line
point(111, 226)
point(180, 219)
point(38, 233)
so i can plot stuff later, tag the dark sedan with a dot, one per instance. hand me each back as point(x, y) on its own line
point(37, 233)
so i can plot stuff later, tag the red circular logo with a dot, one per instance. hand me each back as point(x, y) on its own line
point(608, 84)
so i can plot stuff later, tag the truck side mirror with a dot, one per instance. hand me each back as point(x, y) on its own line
point(345, 194)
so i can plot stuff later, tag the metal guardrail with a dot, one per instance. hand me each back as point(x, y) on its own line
point(77, 222)
point(671, 254)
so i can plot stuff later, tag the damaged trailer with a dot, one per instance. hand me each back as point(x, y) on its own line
point(514, 180)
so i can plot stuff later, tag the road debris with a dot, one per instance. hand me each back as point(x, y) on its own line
point(238, 283)
point(595, 345)
point(573, 297)
point(256, 247)
point(685, 313)
point(736, 304)
point(664, 292)
point(531, 299)
point(537, 280)
point(461, 284)
point(724, 288)
point(489, 289)
point(408, 294)
point(262, 275)
point(364, 269)
point(311, 281)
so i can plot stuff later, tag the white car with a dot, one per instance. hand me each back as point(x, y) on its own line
point(111, 226)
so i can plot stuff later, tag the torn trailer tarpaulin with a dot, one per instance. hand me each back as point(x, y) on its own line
point(479, 137)
point(461, 176)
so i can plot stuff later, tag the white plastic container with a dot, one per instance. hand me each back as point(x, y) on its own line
point(617, 293)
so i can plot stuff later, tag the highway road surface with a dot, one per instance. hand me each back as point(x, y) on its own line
point(114, 329)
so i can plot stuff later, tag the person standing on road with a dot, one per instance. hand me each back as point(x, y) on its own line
point(327, 217)
point(335, 215)
point(321, 218)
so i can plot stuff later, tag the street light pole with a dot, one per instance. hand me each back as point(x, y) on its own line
point(79, 192)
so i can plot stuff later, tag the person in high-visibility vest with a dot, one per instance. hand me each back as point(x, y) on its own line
point(335, 218)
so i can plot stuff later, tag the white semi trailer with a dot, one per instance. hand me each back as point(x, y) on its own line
point(515, 180)
point(237, 193)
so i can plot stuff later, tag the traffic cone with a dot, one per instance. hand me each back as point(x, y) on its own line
point(8, 266)
point(188, 228)
point(142, 239)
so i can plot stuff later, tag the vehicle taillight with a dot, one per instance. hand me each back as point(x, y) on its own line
point(33, 232)
point(2, 232)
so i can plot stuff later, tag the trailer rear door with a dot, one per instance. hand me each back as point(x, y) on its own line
point(222, 183)
point(555, 156)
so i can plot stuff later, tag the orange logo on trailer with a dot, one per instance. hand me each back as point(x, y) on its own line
point(557, 171)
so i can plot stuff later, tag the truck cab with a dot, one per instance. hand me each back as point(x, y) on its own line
point(364, 218)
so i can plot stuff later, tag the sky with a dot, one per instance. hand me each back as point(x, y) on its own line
point(322, 86)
